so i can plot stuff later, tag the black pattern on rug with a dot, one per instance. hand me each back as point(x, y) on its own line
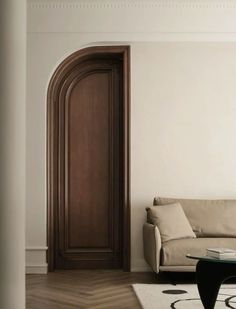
point(228, 301)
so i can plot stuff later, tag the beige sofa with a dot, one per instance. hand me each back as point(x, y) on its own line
point(212, 221)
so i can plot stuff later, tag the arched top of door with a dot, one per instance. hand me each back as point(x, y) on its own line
point(83, 55)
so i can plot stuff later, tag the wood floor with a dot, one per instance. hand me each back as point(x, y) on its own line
point(95, 289)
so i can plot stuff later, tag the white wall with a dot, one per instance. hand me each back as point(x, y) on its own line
point(183, 125)
point(182, 99)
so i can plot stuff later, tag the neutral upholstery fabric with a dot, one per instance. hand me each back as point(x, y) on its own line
point(171, 221)
point(174, 251)
point(152, 245)
point(212, 218)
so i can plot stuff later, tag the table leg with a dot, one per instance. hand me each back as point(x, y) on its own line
point(208, 284)
point(210, 276)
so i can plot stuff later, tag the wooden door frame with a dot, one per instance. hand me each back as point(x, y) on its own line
point(52, 141)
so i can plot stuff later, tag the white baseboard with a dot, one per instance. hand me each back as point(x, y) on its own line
point(36, 269)
point(36, 260)
point(139, 265)
point(141, 269)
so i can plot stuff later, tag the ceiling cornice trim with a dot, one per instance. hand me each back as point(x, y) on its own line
point(126, 4)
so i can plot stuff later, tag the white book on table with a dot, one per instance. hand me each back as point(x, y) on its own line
point(221, 253)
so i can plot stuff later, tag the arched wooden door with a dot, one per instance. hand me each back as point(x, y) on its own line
point(88, 161)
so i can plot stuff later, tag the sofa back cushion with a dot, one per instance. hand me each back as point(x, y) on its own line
point(208, 218)
point(171, 221)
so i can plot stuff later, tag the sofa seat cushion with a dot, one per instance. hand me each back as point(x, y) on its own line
point(208, 218)
point(174, 251)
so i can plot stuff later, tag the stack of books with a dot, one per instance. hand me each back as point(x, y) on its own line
point(221, 253)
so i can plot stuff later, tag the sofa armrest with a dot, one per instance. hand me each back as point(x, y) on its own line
point(152, 245)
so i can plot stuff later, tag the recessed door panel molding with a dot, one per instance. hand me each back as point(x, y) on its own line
point(88, 161)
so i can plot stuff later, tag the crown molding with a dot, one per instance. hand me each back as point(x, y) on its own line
point(132, 4)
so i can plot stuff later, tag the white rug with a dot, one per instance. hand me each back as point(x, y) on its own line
point(153, 296)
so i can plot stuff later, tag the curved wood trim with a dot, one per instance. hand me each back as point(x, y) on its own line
point(52, 140)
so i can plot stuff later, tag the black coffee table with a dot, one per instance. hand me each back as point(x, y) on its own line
point(210, 274)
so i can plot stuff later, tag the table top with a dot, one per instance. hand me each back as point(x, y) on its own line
point(210, 259)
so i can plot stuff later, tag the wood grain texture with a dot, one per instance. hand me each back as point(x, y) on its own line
point(90, 155)
point(88, 161)
point(98, 289)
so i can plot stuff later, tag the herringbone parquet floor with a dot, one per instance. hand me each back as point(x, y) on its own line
point(94, 289)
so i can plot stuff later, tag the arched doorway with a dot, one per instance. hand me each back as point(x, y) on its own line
point(88, 160)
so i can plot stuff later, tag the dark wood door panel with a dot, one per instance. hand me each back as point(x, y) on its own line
point(87, 160)
point(89, 227)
